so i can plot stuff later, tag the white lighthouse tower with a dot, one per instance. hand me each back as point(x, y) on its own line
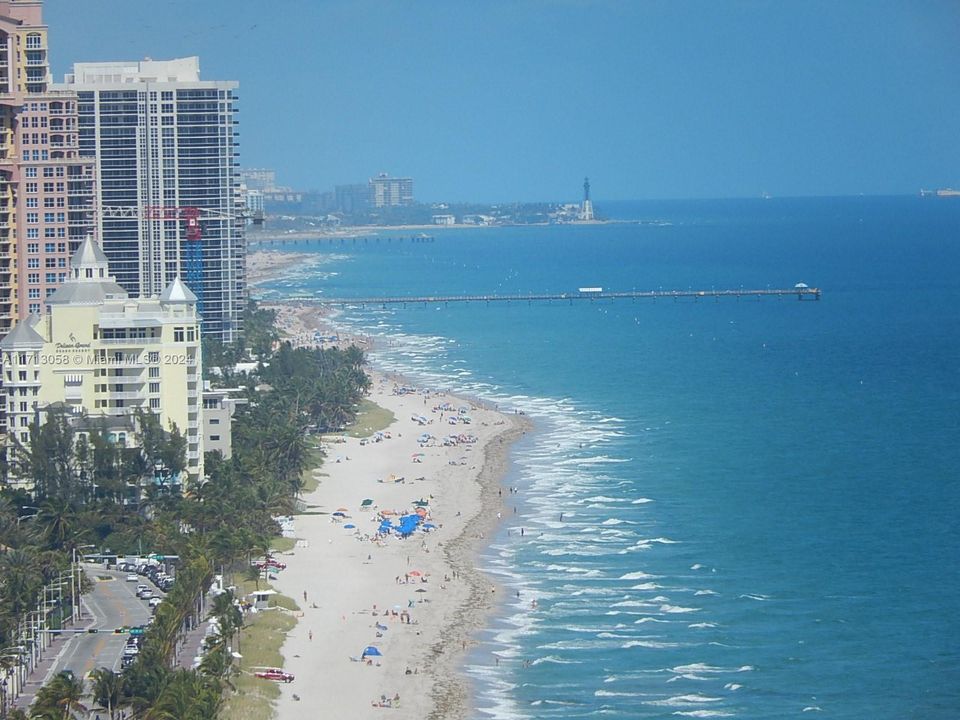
point(586, 208)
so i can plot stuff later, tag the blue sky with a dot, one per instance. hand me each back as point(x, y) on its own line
point(496, 100)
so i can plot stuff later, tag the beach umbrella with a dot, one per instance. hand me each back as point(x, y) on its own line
point(339, 514)
point(349, 527)
point(420, 590)
point(416, 573)
point(342, 509)
point(366, 503)
point(420, 503)
point(372, 651)
point(429, 526)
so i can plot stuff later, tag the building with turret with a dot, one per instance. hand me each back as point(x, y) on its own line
point(97, 353)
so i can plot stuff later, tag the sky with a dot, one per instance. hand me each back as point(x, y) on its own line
point(518, 100)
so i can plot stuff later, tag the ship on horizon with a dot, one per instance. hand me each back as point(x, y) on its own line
point(942, 192)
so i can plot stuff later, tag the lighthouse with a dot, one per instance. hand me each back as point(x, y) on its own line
point(586, 208)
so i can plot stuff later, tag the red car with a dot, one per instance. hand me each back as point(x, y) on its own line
point(270, 563)
point(274, 674)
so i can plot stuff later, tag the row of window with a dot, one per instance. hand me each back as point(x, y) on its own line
point(48, 187)
point(48, 202)
point(49, 247)
point(49, 262)
point(48, 171)
point(33, 218)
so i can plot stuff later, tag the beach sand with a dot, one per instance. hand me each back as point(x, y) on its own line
point(425, 589)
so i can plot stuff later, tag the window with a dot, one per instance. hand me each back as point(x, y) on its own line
point(154, 372)
point(178, 334)
point(33, 217)
point(33, 278)
point(214, 438)
point(33, 247)
point(154, 387)
point(191, 334)
point(34, 307)
point(31, 202)
point(33, 233)
point(214, 421)
point(31, 187)
point(50, 278)
point(153, 357)
point(49, 247)
point(33, 263)
point(154, 403)
point(48, 187)
point(31, 172)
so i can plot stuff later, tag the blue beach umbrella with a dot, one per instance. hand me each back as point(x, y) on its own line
point(349, 527)
point(372, 652)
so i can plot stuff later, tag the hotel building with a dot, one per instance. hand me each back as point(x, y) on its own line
point(165, 144)
point(103, 355)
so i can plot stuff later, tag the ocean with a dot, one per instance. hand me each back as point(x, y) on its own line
point(741, 509)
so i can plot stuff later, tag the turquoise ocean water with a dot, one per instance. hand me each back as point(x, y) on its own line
point(760, 499)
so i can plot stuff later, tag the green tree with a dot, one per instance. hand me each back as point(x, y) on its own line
point(108, 689)
point(59, 699)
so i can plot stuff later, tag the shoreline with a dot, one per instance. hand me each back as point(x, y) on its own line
point(442, 642)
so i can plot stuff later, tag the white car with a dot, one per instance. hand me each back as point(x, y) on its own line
point(154, 601)
point(132, 577)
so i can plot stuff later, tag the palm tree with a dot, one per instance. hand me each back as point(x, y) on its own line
point(107, 689)
point(59, 699)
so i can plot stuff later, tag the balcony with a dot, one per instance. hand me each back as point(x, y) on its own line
point(114, 395)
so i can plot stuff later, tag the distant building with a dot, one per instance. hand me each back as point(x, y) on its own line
point(352, 198)
point(219, 407)
point(98, 353)
point(386, 191)
point(260, 179)
point(444, 219)
point(165, 140)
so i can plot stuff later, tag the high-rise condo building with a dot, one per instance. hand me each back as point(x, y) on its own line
point(165, 144)
point(386, 191)
point(46, 187)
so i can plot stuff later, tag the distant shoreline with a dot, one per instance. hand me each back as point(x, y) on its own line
point(347, 232)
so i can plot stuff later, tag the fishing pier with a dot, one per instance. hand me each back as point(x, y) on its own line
point(800, 292)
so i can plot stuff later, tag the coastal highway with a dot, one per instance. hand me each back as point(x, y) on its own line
point(113, 603)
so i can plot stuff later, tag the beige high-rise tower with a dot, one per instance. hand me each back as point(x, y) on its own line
point(46, 188)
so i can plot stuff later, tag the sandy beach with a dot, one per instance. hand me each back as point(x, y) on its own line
point(418, 599)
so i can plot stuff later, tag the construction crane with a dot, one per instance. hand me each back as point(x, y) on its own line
point(192, 216)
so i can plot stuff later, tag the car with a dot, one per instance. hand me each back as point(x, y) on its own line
point(154, 601)
point(275, 674)
point(132, 577)
point(141, 587)
point(145, 594)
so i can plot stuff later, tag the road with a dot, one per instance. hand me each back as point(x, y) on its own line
point(113, 603)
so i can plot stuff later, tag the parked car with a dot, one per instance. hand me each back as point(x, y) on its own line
point(132, 577)
point(274, 674)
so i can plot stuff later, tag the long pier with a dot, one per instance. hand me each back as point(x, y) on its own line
point(801, 293)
